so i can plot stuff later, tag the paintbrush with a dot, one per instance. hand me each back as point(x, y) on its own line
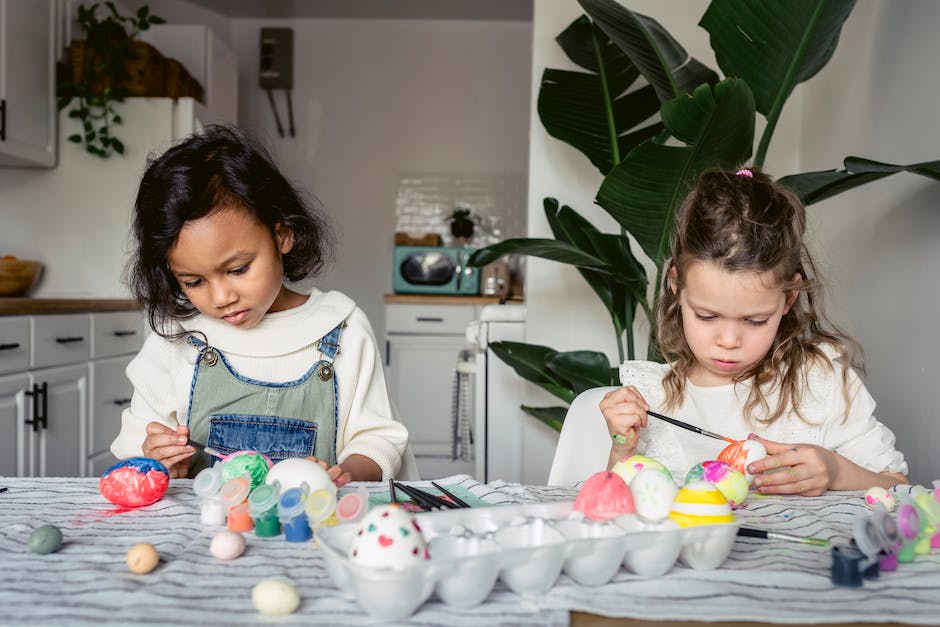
point(451, 495)
point(423, 498)
point(750, 532)
point(205, 449)
point(685, 425)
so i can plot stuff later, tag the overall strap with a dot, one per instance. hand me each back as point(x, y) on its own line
point(329, 343)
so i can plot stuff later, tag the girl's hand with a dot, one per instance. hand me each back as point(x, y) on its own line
point(801, 469)
point(624, 411)
point(168, 446)
point(339, 476)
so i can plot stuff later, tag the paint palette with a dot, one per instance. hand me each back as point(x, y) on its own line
point(526, 546)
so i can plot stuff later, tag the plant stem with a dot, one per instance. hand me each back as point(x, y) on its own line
point(608, 109)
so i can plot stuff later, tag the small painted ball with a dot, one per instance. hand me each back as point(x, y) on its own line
point(227, 545)
point(142, 558)
point(879, 495)
point(274, 597)
point(45, 539)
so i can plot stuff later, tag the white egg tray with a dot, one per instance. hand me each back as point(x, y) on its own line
point(526, 546)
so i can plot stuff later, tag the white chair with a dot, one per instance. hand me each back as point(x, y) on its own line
point(584, 442)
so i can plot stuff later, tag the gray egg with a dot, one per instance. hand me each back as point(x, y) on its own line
point(45, 539)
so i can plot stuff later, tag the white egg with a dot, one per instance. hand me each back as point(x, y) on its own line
point(274, 597)
point(742, 453)
point(294, 471)
point(653, 493)
point(227, 545)
point(879, 495)
point(388, 537)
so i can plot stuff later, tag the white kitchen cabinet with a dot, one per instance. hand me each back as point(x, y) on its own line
point(58, 416)
point(422, 347)
point(27, 83)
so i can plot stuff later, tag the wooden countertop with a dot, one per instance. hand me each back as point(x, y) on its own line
point(434, 299)
point(25, 306)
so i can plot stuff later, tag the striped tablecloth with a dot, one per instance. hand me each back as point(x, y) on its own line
point(87, 582)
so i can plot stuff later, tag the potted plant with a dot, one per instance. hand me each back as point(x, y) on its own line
point(708, 122)
point(108, 65)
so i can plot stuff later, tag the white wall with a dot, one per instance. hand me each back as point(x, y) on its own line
point(874, 99)
point(376, 99)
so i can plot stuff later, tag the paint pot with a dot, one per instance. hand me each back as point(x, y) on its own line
point(262, 505)
point(207, 486)
point(352, 506)
point(234, 493)
point(292, 514)
point(320, 506)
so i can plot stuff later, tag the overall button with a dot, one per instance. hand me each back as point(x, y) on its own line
point(325, 372)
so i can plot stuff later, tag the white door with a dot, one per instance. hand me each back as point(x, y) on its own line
point(58, 449)
point(12, 415)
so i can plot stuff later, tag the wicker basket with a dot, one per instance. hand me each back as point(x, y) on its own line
point(149, 73)
point(17, 276)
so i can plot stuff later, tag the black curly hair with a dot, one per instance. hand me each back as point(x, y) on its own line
point(218, 167)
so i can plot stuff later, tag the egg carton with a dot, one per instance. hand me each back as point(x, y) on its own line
point(526, 546)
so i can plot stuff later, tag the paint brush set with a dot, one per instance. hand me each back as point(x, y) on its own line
point(427, 501)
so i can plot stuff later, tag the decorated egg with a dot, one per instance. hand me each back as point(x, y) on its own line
point(627, 468)
point(135, 482)
point(388, 537)
point(227, 545)
point(700, 503)
point(879, 495)
point(252, 463)
point(604, 496)
point(274, 597)
point(142, 558)
point(723, 476)
point(741, 453)
point(293, 472)
point(653, 493)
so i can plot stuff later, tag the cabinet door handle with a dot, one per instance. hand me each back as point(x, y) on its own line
point(124, 333)
point(9, 346)
point(40, 394)
point(388, 354)
point(429, 319)
point(121, 401)
point(70, 340)
point(3, 120)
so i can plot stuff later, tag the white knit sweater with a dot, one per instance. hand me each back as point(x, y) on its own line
point(280, 348)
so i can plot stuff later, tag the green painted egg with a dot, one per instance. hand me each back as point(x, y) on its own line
point(45, 539)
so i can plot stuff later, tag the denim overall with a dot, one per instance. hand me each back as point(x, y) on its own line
point(230, 412)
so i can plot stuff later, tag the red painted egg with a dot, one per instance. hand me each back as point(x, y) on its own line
point(135, 482)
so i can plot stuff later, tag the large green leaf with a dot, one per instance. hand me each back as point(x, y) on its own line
point(658, 56)
point(529, 361)
point(594, 112)
point(774, 46)
point(583, 369)
point(550, 249)
point(644, 191)
point(815, 186)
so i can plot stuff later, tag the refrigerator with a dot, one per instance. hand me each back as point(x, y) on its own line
point(75, 218)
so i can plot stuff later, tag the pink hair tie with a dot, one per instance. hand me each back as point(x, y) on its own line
point(744, 172)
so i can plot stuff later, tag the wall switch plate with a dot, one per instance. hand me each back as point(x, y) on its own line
point(277, 58)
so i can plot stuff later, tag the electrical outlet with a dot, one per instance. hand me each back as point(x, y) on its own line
point(277, 58)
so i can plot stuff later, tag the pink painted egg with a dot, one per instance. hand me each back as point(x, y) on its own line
point(603, 496)
point(135, 482)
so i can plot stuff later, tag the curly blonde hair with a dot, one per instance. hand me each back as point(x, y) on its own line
point(745, 222)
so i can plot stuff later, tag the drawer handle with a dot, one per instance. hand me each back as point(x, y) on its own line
point(9, 346)
point(428, 319)
point(69, 340)
point(40, 394)
point(121, 401)
point(124, 333)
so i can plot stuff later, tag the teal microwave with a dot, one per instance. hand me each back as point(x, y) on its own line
point(434, 270)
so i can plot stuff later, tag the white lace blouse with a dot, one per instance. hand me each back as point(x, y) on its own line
point(861, 438)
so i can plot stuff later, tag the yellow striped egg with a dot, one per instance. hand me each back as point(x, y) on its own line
point(700, 503)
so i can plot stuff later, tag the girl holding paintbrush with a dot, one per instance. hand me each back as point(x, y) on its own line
point(751, 353)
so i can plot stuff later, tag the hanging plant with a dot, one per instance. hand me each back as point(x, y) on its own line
point(103, 65)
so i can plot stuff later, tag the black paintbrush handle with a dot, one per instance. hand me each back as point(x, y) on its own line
point(685, 425)
point(422, 497)
point(450, 494)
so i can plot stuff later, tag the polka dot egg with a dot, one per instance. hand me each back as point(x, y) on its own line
point(723, 476)
point(388, 537)
point(700, 503)
point(879, 495)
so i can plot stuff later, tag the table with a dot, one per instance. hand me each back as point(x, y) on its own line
point(88, 583)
